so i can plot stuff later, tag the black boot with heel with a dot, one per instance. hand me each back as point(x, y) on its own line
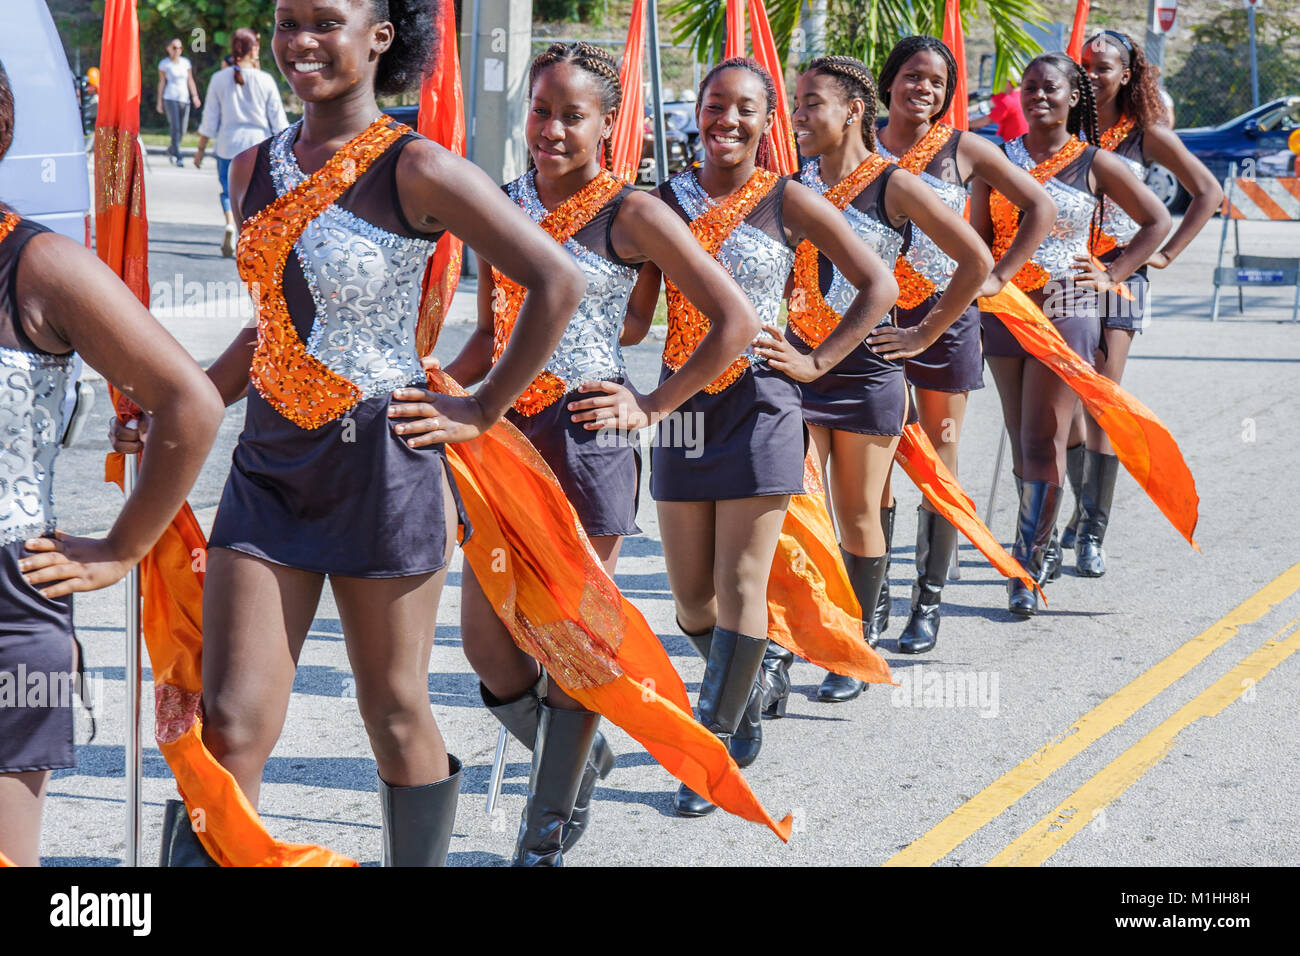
point(867, 576)
point(935, 540)
point(1040, 501)
point(1099, 477)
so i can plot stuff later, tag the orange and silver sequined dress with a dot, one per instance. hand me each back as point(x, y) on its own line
point(348, 496)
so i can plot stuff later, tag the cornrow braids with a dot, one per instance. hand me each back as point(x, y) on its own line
point(1139, 98)
point(594, 60)
point(763, 154)
point(907, 48)
point(856, 84)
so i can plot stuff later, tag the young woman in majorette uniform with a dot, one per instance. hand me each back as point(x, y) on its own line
point(1133, 125)
point(1062, 279)
point(322, 483)
point(916, 87)
point(721, 511)
point(57, 299)
point(856, 410)
point(609, 229)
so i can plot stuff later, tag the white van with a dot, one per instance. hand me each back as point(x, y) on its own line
point(44, 175)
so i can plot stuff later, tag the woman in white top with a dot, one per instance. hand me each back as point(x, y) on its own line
point(176, 90)
point(244, 108)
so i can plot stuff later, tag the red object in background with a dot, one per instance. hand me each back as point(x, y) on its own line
point(958, 115)
point(631, 125)
point(1008, 115)
point(1075, 49)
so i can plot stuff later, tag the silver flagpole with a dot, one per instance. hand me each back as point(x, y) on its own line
point(134, 755)
point(498, 770)
point(997, 471)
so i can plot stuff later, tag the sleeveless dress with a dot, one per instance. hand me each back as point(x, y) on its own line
point(1118, 312)
point(1071, 308)
point(349, 497)
point(600, 472)
point(36, 637)
point(863, 393)
point(748, 439)
point(954, 363)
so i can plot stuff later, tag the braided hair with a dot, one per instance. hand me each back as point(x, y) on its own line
point(594, 60)
point(415, 32)
point(855, 83)
point(907, 48)
point(763, 155)
point(1139, 98)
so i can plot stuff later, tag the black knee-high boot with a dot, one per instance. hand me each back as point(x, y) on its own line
point(560, 752)
point(521, 716)
point(776, 678)
point(726, 692)
point(747, 741)
point(1040, 501)
point(1074, 457)
point(418, 820)
point(180, 844)
point(880, 619)
point(935, 540)
point(866, 575)
point(1098, 493)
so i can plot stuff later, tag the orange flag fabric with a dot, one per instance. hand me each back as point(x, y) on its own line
point(957, 116)
point(735, 18)
point(5, 861)
point(811, 607)
point(1075, 49)
point(784, 157)
point(1141, 441)
point(536, 566)
point(171, 574)
point(441, 119)
point(629, 125)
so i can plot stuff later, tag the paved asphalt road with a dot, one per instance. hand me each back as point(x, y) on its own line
point(1146, 719)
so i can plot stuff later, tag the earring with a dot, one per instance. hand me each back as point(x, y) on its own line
point(850, 122)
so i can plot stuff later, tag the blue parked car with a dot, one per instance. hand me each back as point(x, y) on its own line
point(1256, 141)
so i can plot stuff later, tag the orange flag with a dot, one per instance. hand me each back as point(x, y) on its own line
point(171, 577)
point(784, 157)
point(1141, 441)
point(811, 607)
point(537, 568)
point(5, 861)
point(735, 18)
point(1075, 49)
point(441, 119)
point(956, 117)
point(629, 126)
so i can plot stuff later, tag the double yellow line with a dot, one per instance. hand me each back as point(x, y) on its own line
point(1058, 827)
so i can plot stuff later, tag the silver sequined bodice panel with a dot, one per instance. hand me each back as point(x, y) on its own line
point(1070, 232)
point(365, 283)
point(1115, 222)
point(32, 387)
point(589, 349)
point(884, 240)
point(924, 256)
point(759, 263)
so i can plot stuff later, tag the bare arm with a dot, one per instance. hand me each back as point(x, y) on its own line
point(1165, 148)
point(993, 170)
point(103, 321)
point(162, 82)
point(641, 305)
point(1114, 179)
point(231, 370)
point(475, 359)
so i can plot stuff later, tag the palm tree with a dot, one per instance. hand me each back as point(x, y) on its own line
point(867, 29)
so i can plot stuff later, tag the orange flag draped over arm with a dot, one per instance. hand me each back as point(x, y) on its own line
point(171, 577)
point(956, 117)
point(1141, 441)
point(629, 126)
point(441, 119)
point(1075, 49)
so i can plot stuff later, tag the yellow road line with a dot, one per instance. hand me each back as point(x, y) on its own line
point(997, 797)
point(1053, 831)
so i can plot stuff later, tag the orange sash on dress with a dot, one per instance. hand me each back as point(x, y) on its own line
point(1102, 242)
point(561, 223)
point(1006, 216)
point(914, 288)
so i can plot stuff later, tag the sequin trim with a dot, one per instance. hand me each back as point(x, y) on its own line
point(1006, 216)
point(1117, 227)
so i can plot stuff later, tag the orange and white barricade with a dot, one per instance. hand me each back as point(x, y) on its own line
point(1272, 200)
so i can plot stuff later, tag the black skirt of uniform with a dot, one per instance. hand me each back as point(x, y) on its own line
point(1071, 308)
point(1118, 312)
point(600, 472)
point(745, 441)
point(864, 393)
point(37, 666)
point(954, 363)
point(349, 498)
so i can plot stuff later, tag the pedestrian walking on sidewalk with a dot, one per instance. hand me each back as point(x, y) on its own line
point(176, 91)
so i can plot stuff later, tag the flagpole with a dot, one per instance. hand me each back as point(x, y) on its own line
point(134, 753)
point(656, 93)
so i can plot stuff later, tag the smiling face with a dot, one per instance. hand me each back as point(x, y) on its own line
point(822, 112)
point(326, 48)
point(919, 87)
point(1106, 70)
point(566, 124)
point(732, 115)
point(1046, 96)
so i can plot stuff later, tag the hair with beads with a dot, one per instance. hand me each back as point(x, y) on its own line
point(907, 48)
point(1139, 98)
point(763, 155)
point(599, 64)
point(6, 112)
point(415, 33)
point(855, 82)
point(1082, 119)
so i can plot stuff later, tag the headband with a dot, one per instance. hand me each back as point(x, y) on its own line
point(1119, 38)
